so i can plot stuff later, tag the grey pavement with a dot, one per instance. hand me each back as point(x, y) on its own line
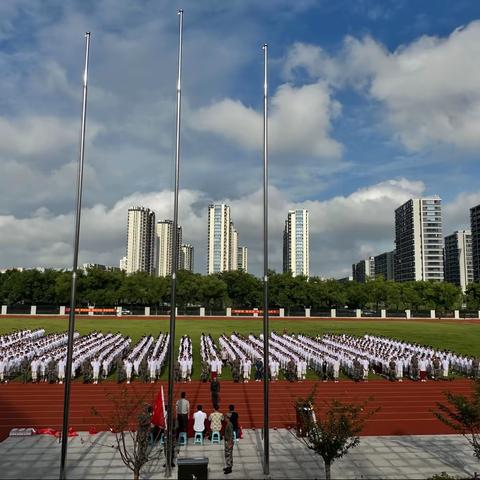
point(93, 456)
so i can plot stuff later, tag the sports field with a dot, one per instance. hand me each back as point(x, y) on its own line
point(459, 336)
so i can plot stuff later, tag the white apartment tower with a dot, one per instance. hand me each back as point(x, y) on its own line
point(219, 229)
point(164, 247)
point(233, 248)
point(419, 240)
point(296, 243)
point(458, 259)
point(242, 259)
point(140, 240)
point(186, 257)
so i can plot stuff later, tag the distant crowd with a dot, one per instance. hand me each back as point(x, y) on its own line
point(31, 355)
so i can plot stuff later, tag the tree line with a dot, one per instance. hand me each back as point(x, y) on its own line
point(235, 289)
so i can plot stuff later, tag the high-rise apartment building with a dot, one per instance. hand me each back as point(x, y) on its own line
point(385, 265)
point(419, 240)
point(475, 229)
point(242, 259)
point(296, 244)
point(186, 257)
point(458, 259)
point(233, 248)
point(140, 240)
point(363, 270)
point(219, 229)
point(123, 264)
point(164, 247)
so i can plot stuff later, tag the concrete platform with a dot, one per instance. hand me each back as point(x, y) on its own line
point(399, 457)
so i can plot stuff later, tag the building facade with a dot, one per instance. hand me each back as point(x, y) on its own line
point(419, 240)
point(164, 247)
point(458, 263)
point(140, 240)
point(233, 259)
point(123, 264)
point(186, 257)
point(242, 259)
point(296, 243)
point(219, 229)
point(363, 270)
point(385, 265)
point(475, 230)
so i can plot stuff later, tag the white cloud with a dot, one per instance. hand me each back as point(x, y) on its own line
point(429, 88)
point(300, 121)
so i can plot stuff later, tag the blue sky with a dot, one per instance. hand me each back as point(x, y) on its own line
point(372, 102)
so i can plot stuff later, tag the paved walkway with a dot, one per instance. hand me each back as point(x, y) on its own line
point(92, 456)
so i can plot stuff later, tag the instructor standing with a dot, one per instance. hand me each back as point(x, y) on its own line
point(228, 438)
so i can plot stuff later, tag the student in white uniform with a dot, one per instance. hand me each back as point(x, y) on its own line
point(96, 369)
point(336, 369)
point(61, 370)
point(128, 369)
point(445, 367)
point(34, 368)
point(3, 365)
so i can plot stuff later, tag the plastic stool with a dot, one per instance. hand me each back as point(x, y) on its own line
point(198, 438)
point(182, 438)
point(216, 437)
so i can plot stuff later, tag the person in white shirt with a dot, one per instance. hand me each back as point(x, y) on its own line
point(336, 369)
point(128, 370)
point(152, 366)
point(96, 369)
point(199, 418)
point(445, 367)
point(61, 370)
point(422, 366)
point(34, 367)
point(3, 365)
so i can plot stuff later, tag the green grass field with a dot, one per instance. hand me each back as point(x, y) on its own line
point(460, 337)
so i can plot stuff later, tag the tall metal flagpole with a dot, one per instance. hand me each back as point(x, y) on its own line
point(266, 433)
point(78, 212)
point(170, 410)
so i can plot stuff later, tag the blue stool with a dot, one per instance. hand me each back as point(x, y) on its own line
point(216, 437)
point(198, 438)
point(182, 438)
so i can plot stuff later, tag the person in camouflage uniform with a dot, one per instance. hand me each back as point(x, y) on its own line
point(120, 370)
point(291, 371)
point(177, 371)
point(87, 372)
point(236, 370)
point(229, 442)
point(25, 371)
point(475, 372)
point(143, 370)
point(357, 370)
point(51, 371)
point(437, 368)
point(205, 371)
point(392, 365)
point(143, 432)
point(414, 368)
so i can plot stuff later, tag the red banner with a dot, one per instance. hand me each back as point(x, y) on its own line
point(249, 312)
point(93, 310)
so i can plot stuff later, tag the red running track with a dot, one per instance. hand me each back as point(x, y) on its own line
point(405, 407)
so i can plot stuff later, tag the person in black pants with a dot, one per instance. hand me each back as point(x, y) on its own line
point(183, 410)
point(234, 419)
point(215, 391)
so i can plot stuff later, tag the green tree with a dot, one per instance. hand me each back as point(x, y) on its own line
point(462, 414)
point(332, 431)
point(472, 296)
point(213, 292)
point(243, 289)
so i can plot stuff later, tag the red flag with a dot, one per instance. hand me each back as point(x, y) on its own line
point(158, 416)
